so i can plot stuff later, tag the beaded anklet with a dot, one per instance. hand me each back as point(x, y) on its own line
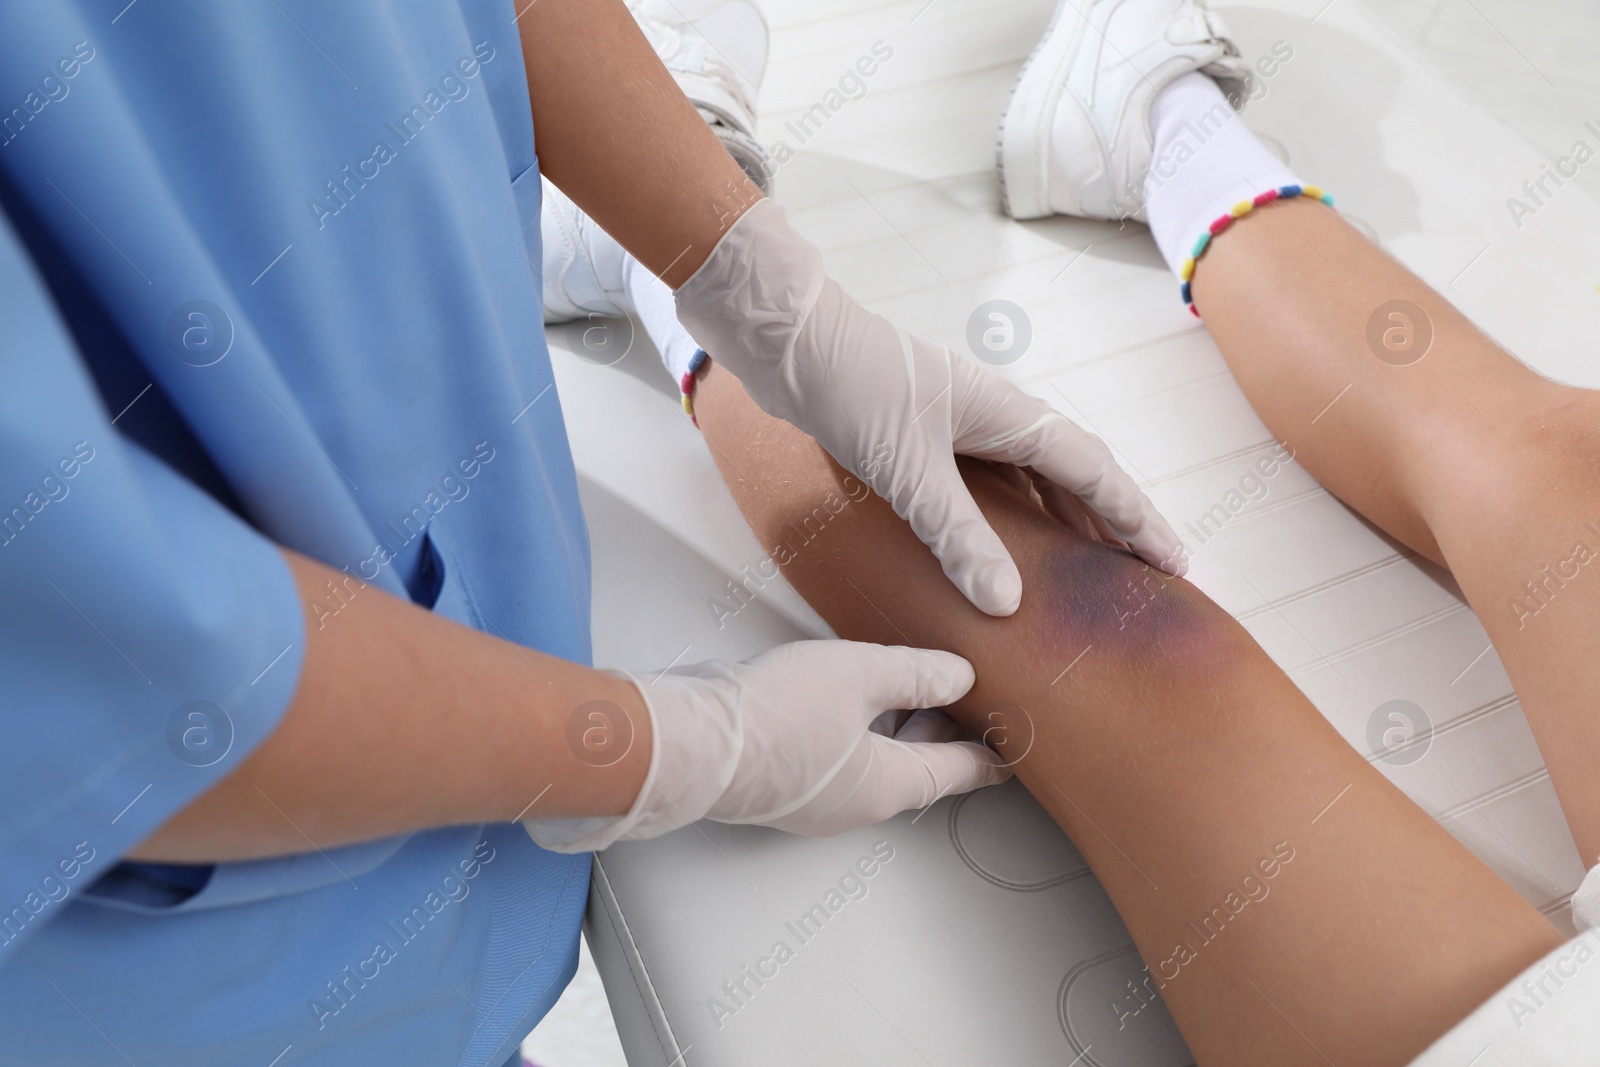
point(687, 383)
point(1239, 211)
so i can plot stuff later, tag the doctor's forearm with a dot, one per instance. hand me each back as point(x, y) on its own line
point(402, 721)
point(615, 133)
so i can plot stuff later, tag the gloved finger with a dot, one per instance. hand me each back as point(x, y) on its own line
point(944, 517)
point(914, 774)
point(1103, 534)
point(1080, 463)
point(929, 724)
point(1019, 478)
point(1067, 509)
point(892, 677)
point(890, 722)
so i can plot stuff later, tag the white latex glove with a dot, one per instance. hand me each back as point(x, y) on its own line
point(782, 740)
point(895, 409)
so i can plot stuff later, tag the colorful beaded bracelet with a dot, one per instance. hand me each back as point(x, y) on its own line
point(1239, 211)
point(686, 384)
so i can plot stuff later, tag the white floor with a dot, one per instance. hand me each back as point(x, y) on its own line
point(898, 188)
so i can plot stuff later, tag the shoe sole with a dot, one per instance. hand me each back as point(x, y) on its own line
point(1022, 145)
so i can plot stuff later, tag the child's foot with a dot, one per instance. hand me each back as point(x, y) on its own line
point(588, 275)
point(1075, 137)
point(583, 267)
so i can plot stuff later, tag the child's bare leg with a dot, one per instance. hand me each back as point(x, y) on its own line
point(1465, 454)
point(1181, 761)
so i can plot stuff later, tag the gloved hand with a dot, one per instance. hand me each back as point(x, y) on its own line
point(895, 409)
point(782, 740)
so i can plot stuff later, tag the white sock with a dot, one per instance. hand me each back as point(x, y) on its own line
point(1205, 160)
point(652, 302)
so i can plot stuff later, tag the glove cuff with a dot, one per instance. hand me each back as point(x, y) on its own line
point(747, 303)
point(691, 764)
point(594, 834)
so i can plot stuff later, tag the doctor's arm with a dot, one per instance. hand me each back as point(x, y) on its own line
point(616, 135)
point(405, 720)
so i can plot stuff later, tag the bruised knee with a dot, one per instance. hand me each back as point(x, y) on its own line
point(1079, 592)
point(1095, 595)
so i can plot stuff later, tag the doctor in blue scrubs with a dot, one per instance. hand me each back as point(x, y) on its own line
point(301, 755)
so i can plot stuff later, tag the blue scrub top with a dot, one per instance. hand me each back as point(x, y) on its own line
point(266, 278)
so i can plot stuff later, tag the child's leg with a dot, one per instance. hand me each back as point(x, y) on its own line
point(1406, 411)
point(1466, 455)
point(1181, 761)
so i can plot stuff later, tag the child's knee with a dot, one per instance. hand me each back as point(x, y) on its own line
point(1099, 596)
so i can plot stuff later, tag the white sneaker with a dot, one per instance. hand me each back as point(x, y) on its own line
point(1075, 136)
point(716, 50)
point(582, 264)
